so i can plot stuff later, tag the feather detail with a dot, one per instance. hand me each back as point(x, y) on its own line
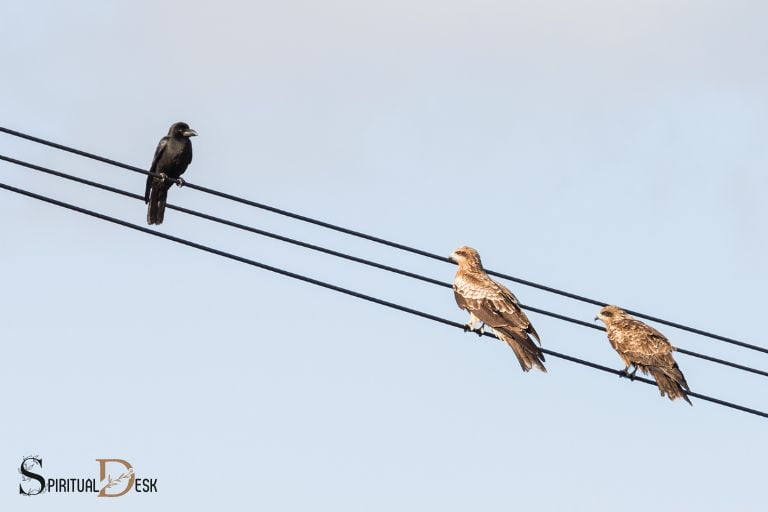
point(496, 306)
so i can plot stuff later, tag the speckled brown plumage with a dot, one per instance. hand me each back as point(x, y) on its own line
point(645, 348)
point(495, 306)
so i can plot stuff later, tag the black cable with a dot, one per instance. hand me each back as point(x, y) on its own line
point(345, 291)
point(342, 255)
point(383, 241)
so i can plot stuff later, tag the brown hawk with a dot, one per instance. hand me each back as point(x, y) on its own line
point(644, 347)
point(494, 305)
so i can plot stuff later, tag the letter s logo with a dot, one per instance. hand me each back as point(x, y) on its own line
point(27, 464)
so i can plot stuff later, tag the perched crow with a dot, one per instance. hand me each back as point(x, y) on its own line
point(172, 156)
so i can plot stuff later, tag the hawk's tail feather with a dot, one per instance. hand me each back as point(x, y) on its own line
point(531, 331)
point(671, 382)
point(528, 354)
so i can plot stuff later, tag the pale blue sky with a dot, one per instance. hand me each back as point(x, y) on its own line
point(611, 148)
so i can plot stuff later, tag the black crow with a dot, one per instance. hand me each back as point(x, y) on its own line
point(172, 156)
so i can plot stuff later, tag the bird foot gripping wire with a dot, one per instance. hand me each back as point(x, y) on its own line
point(625, 374)
point(479, 331)
point(178, 181)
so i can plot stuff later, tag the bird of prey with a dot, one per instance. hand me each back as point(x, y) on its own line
point(492, 304)
point(172, 156)
point(644, 347)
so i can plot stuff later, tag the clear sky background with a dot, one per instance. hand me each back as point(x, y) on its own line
point(615, 149)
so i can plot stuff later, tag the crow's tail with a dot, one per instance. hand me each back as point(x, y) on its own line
point(156, 211)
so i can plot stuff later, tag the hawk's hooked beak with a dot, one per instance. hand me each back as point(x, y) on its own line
point(597, 318)
point(452, 259)
point(189, 133)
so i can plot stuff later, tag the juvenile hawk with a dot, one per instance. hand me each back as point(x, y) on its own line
point(644, 347)
point(494, 305)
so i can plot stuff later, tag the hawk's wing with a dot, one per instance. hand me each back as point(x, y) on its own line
point(153, 168)
point(491, 302)
point(641, 343)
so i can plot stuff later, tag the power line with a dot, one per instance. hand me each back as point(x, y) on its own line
point(345, 291)
point(345, 256)
point(383, 241)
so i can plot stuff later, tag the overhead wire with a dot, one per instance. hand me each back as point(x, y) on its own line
point(342, 255)
point(345, 291)
point(383, 241)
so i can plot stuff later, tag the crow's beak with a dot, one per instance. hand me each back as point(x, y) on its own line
point(190, 133)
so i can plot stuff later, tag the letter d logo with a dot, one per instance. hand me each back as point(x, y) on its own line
point(115, 482)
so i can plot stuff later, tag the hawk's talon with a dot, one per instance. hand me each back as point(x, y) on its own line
point(469, 327)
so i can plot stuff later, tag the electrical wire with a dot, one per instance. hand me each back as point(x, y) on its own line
point(345, 256)
point(345, 291)
point(383, 241)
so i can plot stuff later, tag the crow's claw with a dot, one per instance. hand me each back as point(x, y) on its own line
point(180, 182)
